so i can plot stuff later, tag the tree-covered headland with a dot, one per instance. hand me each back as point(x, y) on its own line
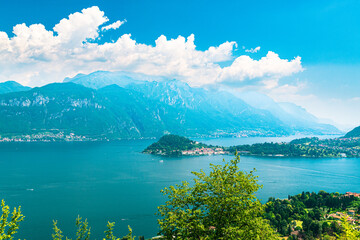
point(173, 145)
point(304, 147)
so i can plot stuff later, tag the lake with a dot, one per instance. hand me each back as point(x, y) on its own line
point(113, 181)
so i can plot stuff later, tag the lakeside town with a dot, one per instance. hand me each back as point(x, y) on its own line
point(205, 151)
point(48, 137)
point(305, 147)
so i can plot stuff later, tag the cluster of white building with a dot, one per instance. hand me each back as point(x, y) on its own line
point(44, 137)
point(204, 151)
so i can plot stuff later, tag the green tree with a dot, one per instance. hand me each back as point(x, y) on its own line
point(315, 228)
point(83, 231)
point(9, 227)
point(220, 205)
point(109, 235)
point(348, 231)
point(57, 235)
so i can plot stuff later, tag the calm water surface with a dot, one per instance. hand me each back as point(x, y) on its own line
point(115, 182)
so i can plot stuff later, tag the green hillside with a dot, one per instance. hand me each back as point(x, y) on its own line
point(59, 109)
point(353, 133)
point(147, 110)
point(11, 86)
point(172, 145)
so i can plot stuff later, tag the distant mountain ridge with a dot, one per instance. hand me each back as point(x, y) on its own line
point(12, 86)
point(100, 79)
point(106, 105)
point(111, 112)
point(294, 119)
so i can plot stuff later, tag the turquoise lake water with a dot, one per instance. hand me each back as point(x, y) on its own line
point(113, 181)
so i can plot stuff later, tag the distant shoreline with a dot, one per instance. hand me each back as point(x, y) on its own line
point(173, 145)
point(72, 137)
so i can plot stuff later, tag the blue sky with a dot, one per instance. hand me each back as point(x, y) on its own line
point(325, 34)
point(322, 31)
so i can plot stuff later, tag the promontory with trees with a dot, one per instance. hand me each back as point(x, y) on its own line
point(223, 205)
point(304, 147)
point(173, 145)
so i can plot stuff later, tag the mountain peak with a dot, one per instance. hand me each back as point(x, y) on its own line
point(177, 84)
point(100, 79)
point(12, 86)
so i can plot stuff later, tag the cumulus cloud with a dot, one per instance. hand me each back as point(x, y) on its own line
point(270, 67)
point(253, 50)
point(114, 25)
point(36, 56)
point(80, 26)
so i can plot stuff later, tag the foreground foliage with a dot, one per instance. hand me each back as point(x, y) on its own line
point(221, 205)
point(83, 231)
point(9, 227)
point(313, 215)
point(349, 231)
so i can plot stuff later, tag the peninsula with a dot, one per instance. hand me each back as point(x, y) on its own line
point(305, 147)
point(174, 145)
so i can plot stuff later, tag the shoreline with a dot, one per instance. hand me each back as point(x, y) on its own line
point(79, 138)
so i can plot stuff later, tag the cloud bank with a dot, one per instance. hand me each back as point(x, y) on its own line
point(36, 56)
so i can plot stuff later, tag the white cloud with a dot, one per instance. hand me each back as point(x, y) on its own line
point(36, 56)
point(114, 25)
point(271, 66)
point(80, 26)
point(253, 50)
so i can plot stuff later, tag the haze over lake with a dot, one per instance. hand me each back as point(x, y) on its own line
point(113, 181)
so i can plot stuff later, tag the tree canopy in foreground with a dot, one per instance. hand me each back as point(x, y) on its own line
point(219, 205)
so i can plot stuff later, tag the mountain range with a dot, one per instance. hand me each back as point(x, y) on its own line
point(118, 105)
point(296, 117)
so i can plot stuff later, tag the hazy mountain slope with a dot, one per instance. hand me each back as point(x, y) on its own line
point(306, 120)
point(113, 112)
point(188, 113)
point(66, 107)
point(11, 86)
point(298, 112)
point(252, 112)
point(296, 117)
point(224, 107)
point(353, 133)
